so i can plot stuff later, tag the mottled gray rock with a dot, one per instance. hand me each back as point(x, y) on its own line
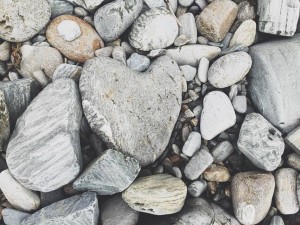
point(188, 27)
point(138, 62)
point(4, 122)
point(217, 115)
point(44, 151)
point(79, 209)
point(116, 113)
point(245, 11)
point(188, 71)
point(198, 164)
point(159, 194)
point(119, 54)
point(87, 4)
point(5, 50)
point(293, 140)
point(260, 142)
point(229, 69)
point(181, 40)
point(252, 196)
point(278, 17)
point(276, 220)
point(21, 20)
point(13, 217)
point(191, 54)
point(196, 188)
point(286, 191)
point(112, 172)
point(115, 211)
point(192, 144)
point(222, 150)
point(239, 103)
point(154, 29)
point(112, 19)
point(105, 52)
point(272, 94)
point(67, 71)
point(293, 160)
point(162, 3)
point(60, 7)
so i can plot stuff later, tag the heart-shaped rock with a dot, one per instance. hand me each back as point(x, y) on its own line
point(132, 112)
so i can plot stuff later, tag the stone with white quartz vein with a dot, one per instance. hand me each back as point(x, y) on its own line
point(69, 30)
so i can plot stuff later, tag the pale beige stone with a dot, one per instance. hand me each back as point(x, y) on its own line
point(216, 173)
point(245, 34)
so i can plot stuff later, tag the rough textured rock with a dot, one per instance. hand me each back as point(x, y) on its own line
point(216, 173)
point(216, 19)
point(278, 17)
point(115, 211)
point(87, 4)
point(36, 58)
point(217, 115)
point(245, 34)
point(229, 69)
point(79, 49)
point(286, 191)
point(110, 173)
point(252, 196)
point(293, 140)
point(222, 150)
point(293, 160)
point(20, 20)
point(79, 209)
point(159, 194)
point(112, 19)
point(18, 196)
point(154, 29)
point(4, 122)
point(13, 217)
point(245, 11)
point(116, 113)
point(261, 142)
point(191, 54)
point(188, 27)
point(44, 151)
point(272, 94)
point(67, 71)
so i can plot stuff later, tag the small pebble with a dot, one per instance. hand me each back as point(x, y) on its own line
point(189, 72)
point(276, 220)
point(176, 149)
point(201, 3)
point(119, 54)
point(79, 11)
point(233, 91)
point(105, 52)
point(138, 62)
point(216, 173)
point(239, 103)
point(185, 3)
point(156, 53)
point(226, 40)
point(203, 69)
point(245, 11)
point(5, 50)
point(13, 217)
point(192, 144)
point(293, 160)
point(293, 140)
point(177, 172)
point(196, 188)
point(222, 151)
point(181, 40)
point(202, 40)
point(197, 111)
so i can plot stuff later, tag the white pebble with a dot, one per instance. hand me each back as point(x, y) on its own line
point(192, 144)
point(203, 69)
point(189, 72)
point(239, 103)
point(69, 30)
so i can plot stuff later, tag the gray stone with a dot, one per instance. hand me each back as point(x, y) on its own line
point(222, 151)
point(116, 113)
point(5, 50)
point(217, 115)
point(87, 4)
point(21, 20)
point(276, 220)
point(198, 164)
point(286, 191)
point(196, 188)
point(185, 3)
point(293, 140)
point(181, 40)
point(80, 11)
point(105, 52)
point(13, 217)
point(234, 48)
point(272, 94)
point(44, 151)
point(298, 188)
point(162, 3)
point(112, 19)
point(60, 7)
point(293, 160)
point(116, 211)
point(260, 142)
point(222, 217)
point(138, 62)
point(201, 3)
point(192, 144)
point(4, 122)
point(229, 69)
point(41, 78)
point(188, 71)
point(79, 209)
point(67, 71)
point(188, 27)
point(119, 54)
point(157, 53)
point(155, 28)
point(112, 172)
point(47, 198)
point(245, 11)
point(203, 69)
point(245, 34)
point(252, 196)
point(239, 103)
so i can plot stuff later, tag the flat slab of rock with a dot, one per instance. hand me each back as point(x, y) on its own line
point(110, 173)
point(123, 106)
point(79, 209)
point(44, 151)
point(159, 194)
point(112, 19)
point(275, 95)
point(21, 19)
point(261, 142)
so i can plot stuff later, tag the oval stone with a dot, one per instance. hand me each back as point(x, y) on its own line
point(245, 34)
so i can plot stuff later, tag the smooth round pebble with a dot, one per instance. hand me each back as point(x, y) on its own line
point(189, 72)
point(185, 3)
point(138, 62)
point(245, 34)
point(239, 103)
point(5, 50)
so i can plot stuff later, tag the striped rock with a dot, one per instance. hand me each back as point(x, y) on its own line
point(44, 151)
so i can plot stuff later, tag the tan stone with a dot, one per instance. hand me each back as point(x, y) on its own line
point(216, 19)
point(79, 49)
point(245, 34)
point(217, 173)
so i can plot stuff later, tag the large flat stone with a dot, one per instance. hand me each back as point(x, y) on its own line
point(44, 151)
point(274, 81)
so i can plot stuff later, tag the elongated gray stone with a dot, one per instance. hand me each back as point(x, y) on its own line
point(4, 122)
point(80, 209)
point(13, 217)
point(222, 150)
point(112, 19)
point(44, 151)
point(261, 142)
point(110, 173)
point(188, 27)
point(126, 118)
point(276, 96)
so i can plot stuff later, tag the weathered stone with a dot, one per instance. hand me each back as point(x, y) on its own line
point(229, 69)
point(112, 19)
point(293, 160)
point(60, 7)
point(222, 217)
point(181, 40)
point(112, 172)
point(13, 217)
point(105, 52)
point(44, 151)
point(79, 49)
point(222, 151)
point(216, 173)
point(79, 209)
point(5, 50)
point(159, 194)
point(20, 20)
point(217, 115)
point(252, 196)
point(216, 19)
point(196, 188)
point(192, 144)
point(138, 62)
point(4, 122)
point(67, 71)
point(293, 140)
point(119, 54)
point(245, 34)
point(278, 17)
point(116, 211)
point(116, 113)
point(87, 4)
point(188, 27)
point(154, 29)
point(286, 191)
point(272, 94)
point(18, 196)
point(260, 142)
